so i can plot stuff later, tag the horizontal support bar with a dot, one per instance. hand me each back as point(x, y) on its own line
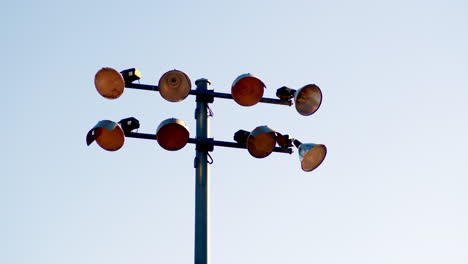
point(142, 86)
point(208, 93)
point(214, 142)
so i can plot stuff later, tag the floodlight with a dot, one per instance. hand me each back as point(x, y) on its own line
point(261, 141)
point(284, 141)
point(311, 155)
point(247, 89)
point(308, 99)
point(241, 136)
point(172, 134)
point(285, 93)
point(109, 83)
point(108, 135)
point(174, 86)
point(131, 75)
point(129, 124)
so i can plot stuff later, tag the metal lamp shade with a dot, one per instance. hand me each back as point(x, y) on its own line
point(308, 99)
point(172, 134)
point(108, 134)
point(247, 89)
point(174, 86)
point(109, 83)
point(311, 155)
point(261, 142)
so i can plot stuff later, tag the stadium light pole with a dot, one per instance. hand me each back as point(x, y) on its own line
point(172, 134)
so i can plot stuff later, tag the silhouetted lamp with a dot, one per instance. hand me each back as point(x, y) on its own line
point(261, 141)
point(311, 155)
point(247, 89)
point(241, 137)
point(131, 75)
point(284, 141)
point(174, 86)
point(108, 134)
point(129, 124)
point(172, 134)
point(109, 83)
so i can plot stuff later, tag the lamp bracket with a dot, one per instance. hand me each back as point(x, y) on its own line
point(285, 93)
point(131, 75)
point(205, 145)
point(205, 97)
point(129, 124)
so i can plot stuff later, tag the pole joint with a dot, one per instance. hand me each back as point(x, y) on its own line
point(205, 145)
point(203, 95)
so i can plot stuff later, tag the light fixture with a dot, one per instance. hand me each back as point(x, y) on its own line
point(284, 141)
point(129, 124)
point(311, 155)
point(308, 99)
point(109, 83)
point(108, 134)
point(247, 89)
point(241, 136)
point(172, 134)
point(131, 75)
point(261, 141)
point(174, 86)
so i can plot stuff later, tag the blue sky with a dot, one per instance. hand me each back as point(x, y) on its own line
point(391, 190)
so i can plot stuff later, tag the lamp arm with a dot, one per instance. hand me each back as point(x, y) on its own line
point(209, 93)
point(207, 142)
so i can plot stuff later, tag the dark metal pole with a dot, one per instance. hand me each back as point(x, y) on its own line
point(202, 178)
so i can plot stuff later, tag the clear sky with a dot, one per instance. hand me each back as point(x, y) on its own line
point(393, 188)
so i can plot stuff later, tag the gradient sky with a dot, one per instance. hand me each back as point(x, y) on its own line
point(393, 188)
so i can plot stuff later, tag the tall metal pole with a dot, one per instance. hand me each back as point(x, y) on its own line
point(202, 178)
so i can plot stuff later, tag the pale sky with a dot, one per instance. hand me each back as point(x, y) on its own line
point(393, 187)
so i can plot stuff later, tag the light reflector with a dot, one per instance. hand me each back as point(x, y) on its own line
point(247, 89)
point(174, 86)
point(108, 134)
point(109, 83)
point(261, 141)
point(311, 155)
point(308, 99)
point(172, 134)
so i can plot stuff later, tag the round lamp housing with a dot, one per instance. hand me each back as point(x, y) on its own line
point(247, 89)
point(261, 141)
point(109, 83)
point(311, 155)
point(308, 99)
point(108, 134)
point(172, 134)
point(174, 86)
